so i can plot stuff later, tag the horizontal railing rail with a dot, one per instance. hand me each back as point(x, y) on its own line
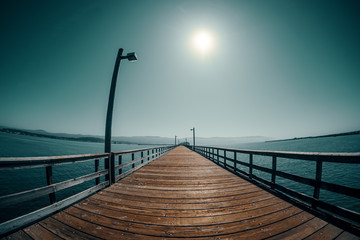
point(27, 162)
point(222, 156)
point(112, 172)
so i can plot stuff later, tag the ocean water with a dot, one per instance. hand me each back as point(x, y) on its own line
point(12, 181)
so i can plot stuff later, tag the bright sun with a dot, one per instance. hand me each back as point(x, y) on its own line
point(202, 41)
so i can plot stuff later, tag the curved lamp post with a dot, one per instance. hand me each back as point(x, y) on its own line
point(131, 57)
point(109, 163)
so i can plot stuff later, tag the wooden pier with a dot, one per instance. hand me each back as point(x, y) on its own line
point(182, 195)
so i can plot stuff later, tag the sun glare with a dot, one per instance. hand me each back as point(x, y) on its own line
point(202, 41)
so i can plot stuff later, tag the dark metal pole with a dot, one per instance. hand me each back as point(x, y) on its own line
point(193, 138)
point(111, 102)
point(109, 116)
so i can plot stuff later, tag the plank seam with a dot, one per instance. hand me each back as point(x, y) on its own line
point(100, 200)
point(265, 193)
point(122, 211)
point(313, 217)
point(79, 230)
point(106, 190)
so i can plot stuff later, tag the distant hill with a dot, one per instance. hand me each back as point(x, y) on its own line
point(44, 134)
point(89, 138)
point(321, 136)
point(227, 141)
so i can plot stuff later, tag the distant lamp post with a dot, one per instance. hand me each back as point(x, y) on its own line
point(193, 130)
point(131, 57)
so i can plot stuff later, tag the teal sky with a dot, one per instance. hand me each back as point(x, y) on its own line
point(277, 68)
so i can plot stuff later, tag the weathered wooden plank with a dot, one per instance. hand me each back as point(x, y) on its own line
point(160, 199)
point(185, 205)
point(183, 187)
point(327, 232)
point(302, 230)
point(97, 230)
point(185, 194)
point(347, 236)
point(63, 230)
point(183, 212)
point(179, 220)
point(36, 231)
point(184, 182)
point(19, 235)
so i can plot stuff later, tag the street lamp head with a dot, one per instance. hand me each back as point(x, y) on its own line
point(131, 57)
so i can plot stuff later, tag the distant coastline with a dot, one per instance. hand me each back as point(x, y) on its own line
point(321, 136)
point(80, 139)
point(86, 138)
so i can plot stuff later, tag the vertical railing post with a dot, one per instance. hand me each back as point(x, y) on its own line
point(152, 154)
point(120, 162)
point(217, 154)
point(132, 159)
point(97, 180)
point(148, 153)
point(108, 167)
point(142, 155)
point(250, 165)
point(235, 159)
point(112, 168)
point(318, 177)
point(49, 180)
point(225, 159)
point(273, 175)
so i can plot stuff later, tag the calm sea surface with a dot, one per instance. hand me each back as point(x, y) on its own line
point(25, 146)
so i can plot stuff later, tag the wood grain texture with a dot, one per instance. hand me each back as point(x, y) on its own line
point(182, 196)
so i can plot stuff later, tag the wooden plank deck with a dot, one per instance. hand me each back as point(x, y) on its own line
point(182, 195)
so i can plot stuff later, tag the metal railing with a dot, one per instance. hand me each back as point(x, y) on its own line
point(111, 171)
point(246, 168)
